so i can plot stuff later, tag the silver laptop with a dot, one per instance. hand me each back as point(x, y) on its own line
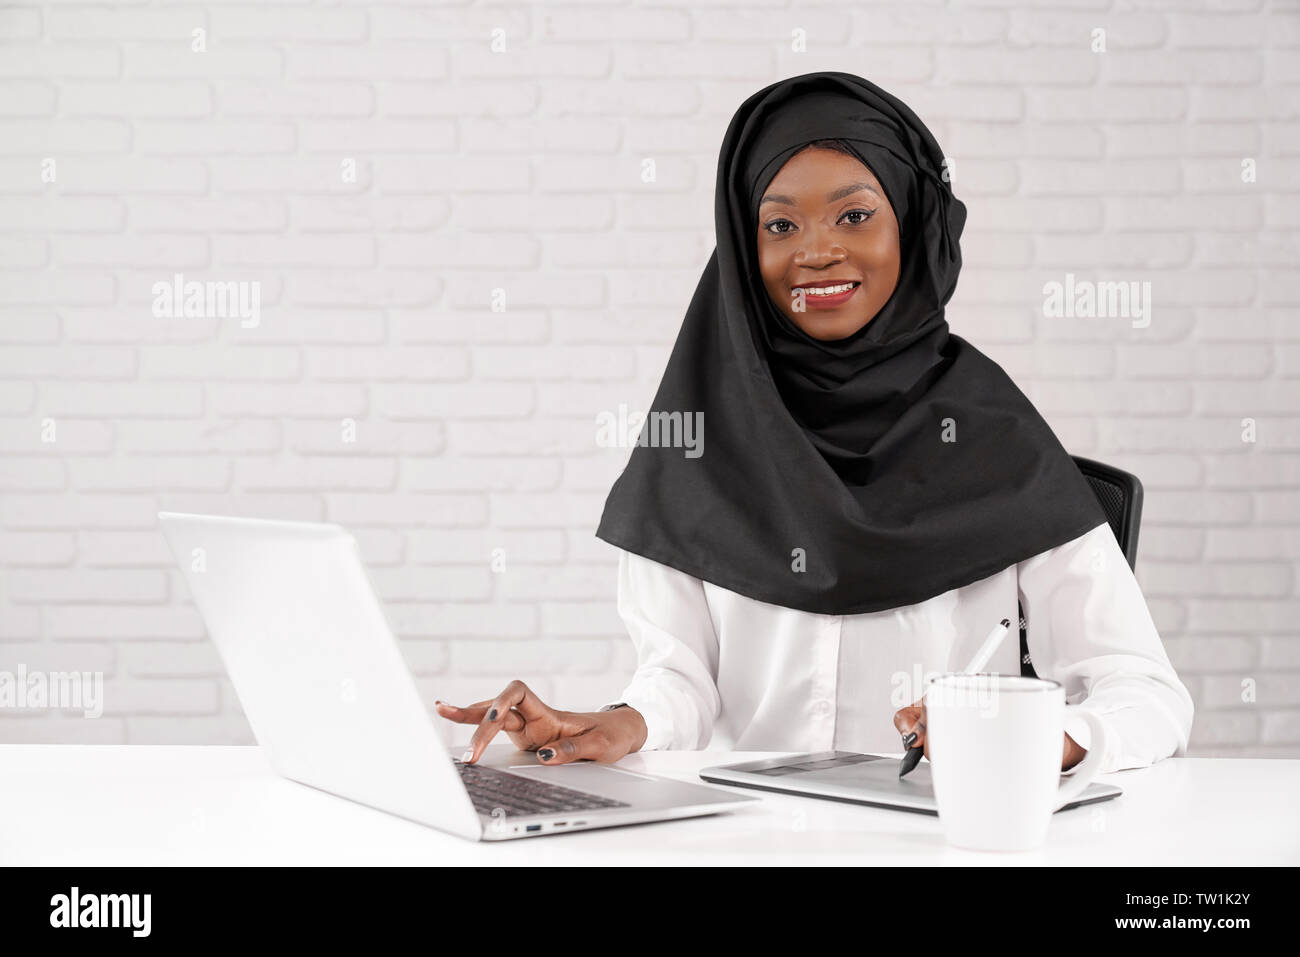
point(329, 696)
point(870, 779)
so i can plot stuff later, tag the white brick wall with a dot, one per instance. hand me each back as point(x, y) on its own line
point(521, 171)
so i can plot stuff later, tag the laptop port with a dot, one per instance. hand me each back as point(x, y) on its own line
point(533, 827)
point(560, 824)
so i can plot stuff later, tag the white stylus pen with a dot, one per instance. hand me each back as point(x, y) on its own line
point(913, 755)
point(990, 645)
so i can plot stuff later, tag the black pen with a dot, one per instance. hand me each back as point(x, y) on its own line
point(913, 756)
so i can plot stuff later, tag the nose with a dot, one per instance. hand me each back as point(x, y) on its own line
point(818, 248)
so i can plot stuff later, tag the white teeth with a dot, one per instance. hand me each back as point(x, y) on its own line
point(828, 290)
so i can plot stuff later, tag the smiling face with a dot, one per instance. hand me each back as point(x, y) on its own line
point(828, 244)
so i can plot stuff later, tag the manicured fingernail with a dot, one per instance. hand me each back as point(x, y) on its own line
point(546, 754)
point(469, 753)
point(492, 715)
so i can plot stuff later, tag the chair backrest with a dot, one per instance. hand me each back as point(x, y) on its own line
point(1120, 494)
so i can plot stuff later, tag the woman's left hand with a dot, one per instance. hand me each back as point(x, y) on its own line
point(912, 718)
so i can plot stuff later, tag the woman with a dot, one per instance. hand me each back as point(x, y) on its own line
point(874, 492)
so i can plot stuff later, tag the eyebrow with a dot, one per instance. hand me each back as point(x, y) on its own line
point(838, 194)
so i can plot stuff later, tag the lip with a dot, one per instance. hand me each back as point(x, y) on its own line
point(828, 302)
point(823, 283)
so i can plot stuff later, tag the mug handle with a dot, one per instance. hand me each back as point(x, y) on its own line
point(1089, 767)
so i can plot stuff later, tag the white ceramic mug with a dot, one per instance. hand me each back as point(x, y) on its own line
point(995, 745)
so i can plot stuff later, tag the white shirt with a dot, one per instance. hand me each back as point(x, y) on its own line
point(720, 670)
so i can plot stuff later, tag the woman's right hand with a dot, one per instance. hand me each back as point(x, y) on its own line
point(558, 736)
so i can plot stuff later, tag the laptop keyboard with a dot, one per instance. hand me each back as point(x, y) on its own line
point(517, 795)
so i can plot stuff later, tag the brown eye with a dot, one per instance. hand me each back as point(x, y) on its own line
point(777, 222)
point(866, 214)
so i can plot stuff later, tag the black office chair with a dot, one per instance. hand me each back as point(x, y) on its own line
point(1120, 495)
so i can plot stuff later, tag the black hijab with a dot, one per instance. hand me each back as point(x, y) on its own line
point(827, 479)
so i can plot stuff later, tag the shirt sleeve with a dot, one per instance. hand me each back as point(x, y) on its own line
point(675, 684)
point(1088, 627)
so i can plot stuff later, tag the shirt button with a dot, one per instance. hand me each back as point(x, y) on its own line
point(822, 707)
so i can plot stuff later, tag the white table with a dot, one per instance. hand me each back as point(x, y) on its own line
point(77, 805)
